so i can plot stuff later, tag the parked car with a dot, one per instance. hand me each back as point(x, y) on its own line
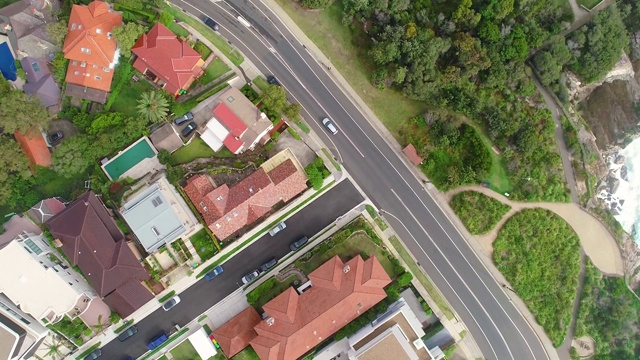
point(157, 341)
point(295, 246)
point(94, 355)
point(189, 129)
point(171, 303)
point(128, 333)
point(212, 24)
point(268, 265)
point(56, 136)
point(272, 80)
point(183, 119)
point(330, 126)
point(250, 276)
point(214, 273)
point(276, 229)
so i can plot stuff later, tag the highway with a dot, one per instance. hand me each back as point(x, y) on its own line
point(198, 298)
point(496, 325)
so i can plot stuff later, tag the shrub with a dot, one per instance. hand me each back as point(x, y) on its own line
point(478, 212)
point(166, 19)
point(404, 279)
point(249, 92)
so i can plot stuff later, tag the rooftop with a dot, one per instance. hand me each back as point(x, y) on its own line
point(34, 146)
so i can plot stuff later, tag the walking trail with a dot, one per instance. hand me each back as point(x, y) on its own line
point(597, 242)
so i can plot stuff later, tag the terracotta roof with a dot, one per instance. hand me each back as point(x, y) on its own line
point(89, 46)
point(92, 240)
point(340, 293)
point(412, 154)
point(168, 57)
point(128, 298)
point(235, 334)
point(236, 126)
point(34, 146)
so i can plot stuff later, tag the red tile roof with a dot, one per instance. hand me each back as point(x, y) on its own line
point(234, 144)
point(34, 146)
point(236, 126)
point(340, 293)
point(92, 240)
point(168, 57)
point(235, 334)
point(412, 154)
point(128, 298)
point(226, 210)
point(89, 46)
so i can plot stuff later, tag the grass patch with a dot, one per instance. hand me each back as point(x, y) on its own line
point(347, 52)
point(294, 134)
point(381, 223)
point(268, 290)
point(261, 83)
point(123, 326)
point(88, 351)
point(589, 4)
point(127, 99)
point(328, 154)
point(421, 277)
point(204, 245)
point(185, 351)
point(539, 254)
point(261, 232)
point(218, 41)
point(178, 30)
point(303, 126)
point(165, 344)
point(371, 211)
point(246, 354)
point(168, 296)
point(216, 69)
point(479, 213)
point(202, 49)
point(197, 149)
point(4, 3)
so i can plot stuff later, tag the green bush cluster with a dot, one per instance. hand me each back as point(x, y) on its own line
point(317, 172)
point(248, 91)
point(72, 329)
point(121, 78)
point(479, 213)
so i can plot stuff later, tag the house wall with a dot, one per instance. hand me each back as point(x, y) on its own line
point(35, 332)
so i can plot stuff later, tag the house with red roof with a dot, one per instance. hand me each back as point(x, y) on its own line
point(166, 60)
point(236, 124)
point(35, 147)
point(91, 49)
point(235, 335)
point(90, 238)
point(227, 209)
point(296, 323)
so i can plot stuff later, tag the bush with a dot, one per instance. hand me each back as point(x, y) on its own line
point(121, 77)
point(404, 279)
point(168, 296)
point(249, 92)
point(478, 212)
point(317, 172)
point(166, 19)
point(164, 157)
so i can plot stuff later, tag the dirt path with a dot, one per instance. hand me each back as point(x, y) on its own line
point(595, 239)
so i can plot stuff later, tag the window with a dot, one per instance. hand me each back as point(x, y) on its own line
point(235, 213)
point(35, 248)
point(80, 27)
point(106, 69)
point(74, 63)
point(76, 72)
point(98, 77)
point(29, 251)
point(228, 218)
point(83, 64)
point(98, 31)
point(73, 26)
point(157, 201)
point(218, 226)
point(109, 34)
point(35, 66)
point(155, 231)
point(71, 284)
point(95, 66)
point(219, 198)
point(85, 50)
point(230, 99)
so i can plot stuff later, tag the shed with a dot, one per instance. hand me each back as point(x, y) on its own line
point(203, 345)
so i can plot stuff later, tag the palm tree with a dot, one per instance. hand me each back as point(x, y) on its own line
point(54, 350)
point(100, 326)
point(153, 106)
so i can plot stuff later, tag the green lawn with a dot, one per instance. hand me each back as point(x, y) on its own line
point(269, 290)
point(589, 4)
point(202, 49)
point(478, 212)
point(127, 99)
point(246, 354)
point(4, 3)
point(217, 40)
point(196, 150)
point(345, 50)
point(185, 351)
point(216, 69)
point(204, 245)
point(178, 30)
point(261, 83)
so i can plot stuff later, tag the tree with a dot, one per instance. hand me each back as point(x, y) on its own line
point(100, 326)
point(126, 35)
point(59, 65)
point(5, 86)
point(74, 155)
point(21, 112)
point(166, 18)
point(13, 164)
point(275, 98)
point(54, 350)
point(153, 106)
point(292, 112)
point(57, 31)
point(105, 121)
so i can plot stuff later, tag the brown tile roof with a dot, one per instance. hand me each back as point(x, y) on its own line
point(89, 46)
point(227, 209)
point(340, 293)
point(92, 240)
point(235, 334)
point(128, 298)
point(34, 146)
point(412, 154)
point(46, 209)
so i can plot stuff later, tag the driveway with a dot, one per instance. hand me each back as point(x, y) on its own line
point(66, 126)
point(302, 151)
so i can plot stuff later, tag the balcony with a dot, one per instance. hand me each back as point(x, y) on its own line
point(82, 303)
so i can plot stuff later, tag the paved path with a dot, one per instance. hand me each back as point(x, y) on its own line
point(596, 240)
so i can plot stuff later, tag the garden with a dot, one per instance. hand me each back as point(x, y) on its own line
point(73, 330)
point(204, 245)
point(198, 149)
point(269, 289)
point(479, 213)
point(539, 255)
point(216, 69)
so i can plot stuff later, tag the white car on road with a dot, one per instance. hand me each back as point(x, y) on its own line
point(276, 229)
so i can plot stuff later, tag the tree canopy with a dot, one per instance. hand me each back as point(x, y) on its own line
point(13, 164)
point(21, 112)
point(126, 35)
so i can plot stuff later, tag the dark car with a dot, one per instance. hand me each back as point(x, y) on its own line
point(183, 119)
point(56, 136)
point(189, 129)
point(298, 244)
point(272, 80)
point(268, 265)
point(157, 341)
point(212, 24)
point(250, 276)
point(214, 273)
point(94, 355)
point(128, 333)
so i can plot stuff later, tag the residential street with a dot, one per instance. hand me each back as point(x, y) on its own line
point(202, 295)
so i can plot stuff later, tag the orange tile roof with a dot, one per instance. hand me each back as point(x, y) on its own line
point(235, 334)
point(89, 45)
point(34, 146)
point(412, 154)
point(340, 293)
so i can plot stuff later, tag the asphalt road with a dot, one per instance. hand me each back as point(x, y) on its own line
point(496, 325)
point(318, 214)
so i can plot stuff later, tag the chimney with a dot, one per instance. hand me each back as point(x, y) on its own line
point(57, 243)
point(270, 321)
point(346, 269)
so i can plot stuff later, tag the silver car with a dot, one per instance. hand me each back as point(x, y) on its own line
point(250, 276)
point(276, 229)
point(171, 303)
point(330, 126)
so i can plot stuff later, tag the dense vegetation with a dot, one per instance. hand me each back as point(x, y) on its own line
point(539, 254)
point(478, 212)
point(610, 314)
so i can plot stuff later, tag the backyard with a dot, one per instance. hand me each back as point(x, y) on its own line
point(268, 290)
point(204, 245)
point(127, 99)
point(216, 69)
point(196, 150)
point(246, 354)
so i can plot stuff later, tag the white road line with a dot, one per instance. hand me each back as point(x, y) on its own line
point(396, 170)
point(443, 277)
